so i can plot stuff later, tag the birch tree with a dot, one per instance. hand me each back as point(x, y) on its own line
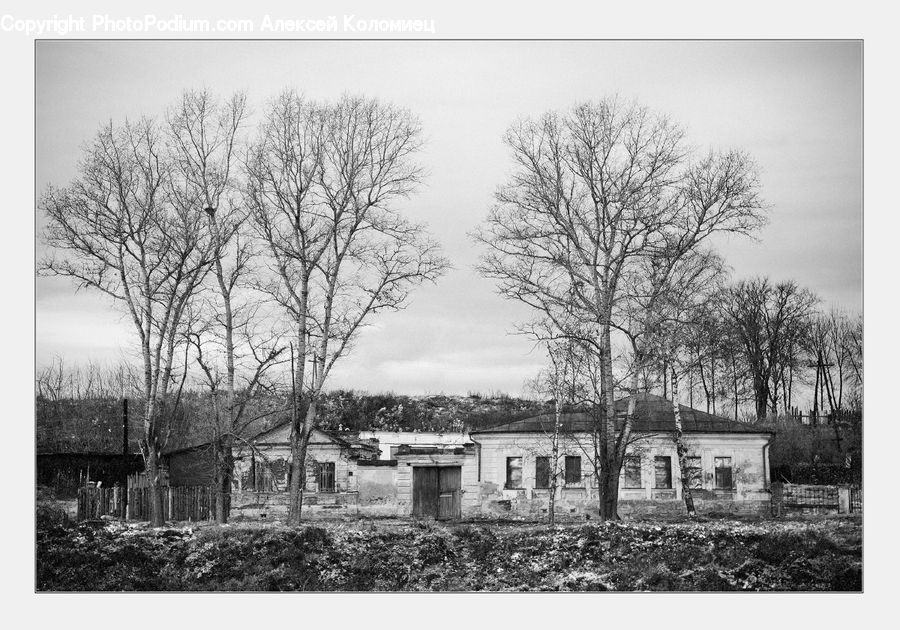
point(594, 192)
point(324, 182)
point(119, 229)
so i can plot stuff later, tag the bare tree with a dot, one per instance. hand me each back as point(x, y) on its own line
point(120, 229)
point(594, 193)
point(770, 321)
point(90, 381)
point(667, 299)
point(203, 138)
point(323, 183)
point(559, 381)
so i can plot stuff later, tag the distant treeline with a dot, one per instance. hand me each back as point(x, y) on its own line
point(95, 425)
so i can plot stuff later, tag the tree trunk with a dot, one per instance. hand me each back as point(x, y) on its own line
point(609, 472)
point(225, 456)
point(761, 394)
point(703, 382)
point(734, 373)
point(681, 450)
point(816, 388)
point(153, 481)
point(609, 492)
point(299, 447)
point(224, 473)
point(554, 471)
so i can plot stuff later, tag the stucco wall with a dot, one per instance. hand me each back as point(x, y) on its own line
point(389, 439)
point(750, 479)
point(384, 489)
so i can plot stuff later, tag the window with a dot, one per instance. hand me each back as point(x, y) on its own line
point(542, 472)
point(662, 466)
point(513, 472)
point(326, 477)
point(632, 471)
point(723, 473)
point(695, 472)
point(573, 469)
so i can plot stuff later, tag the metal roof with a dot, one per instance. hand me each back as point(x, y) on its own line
point(652, 414)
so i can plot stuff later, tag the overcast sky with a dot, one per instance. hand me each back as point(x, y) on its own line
point(795, 107)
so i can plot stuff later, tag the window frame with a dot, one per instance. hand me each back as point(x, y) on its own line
point(668, 470)
point(729, 468)
point(695, 473)
point(577, 469)
point(640, 471)
point(324, 471)
point(537, 477)
point(509, 468)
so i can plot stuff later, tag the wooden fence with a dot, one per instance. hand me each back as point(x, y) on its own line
point(180, 503)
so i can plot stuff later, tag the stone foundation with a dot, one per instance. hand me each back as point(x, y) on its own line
point(502, 505)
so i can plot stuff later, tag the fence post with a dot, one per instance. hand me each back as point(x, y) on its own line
point(843, 499)
point(777, 498)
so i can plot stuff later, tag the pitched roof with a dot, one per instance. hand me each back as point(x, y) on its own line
point(280, 434)
point(652, 414)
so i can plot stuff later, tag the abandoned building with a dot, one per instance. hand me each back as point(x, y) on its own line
point(262, 471)
point(729, 468)
point(503, 471)
point(390, 441)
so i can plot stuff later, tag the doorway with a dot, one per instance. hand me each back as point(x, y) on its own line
point(436, 492)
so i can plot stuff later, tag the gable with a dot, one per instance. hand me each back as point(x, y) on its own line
point(282, 435)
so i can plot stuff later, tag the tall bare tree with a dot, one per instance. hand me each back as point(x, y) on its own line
point(559, 380)
point(203, 134)
point(595, 192)
point(770, 321)
point(667, 300)
point(324, 181)
point(120, 229)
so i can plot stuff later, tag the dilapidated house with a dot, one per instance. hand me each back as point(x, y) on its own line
point(262, 470)
point(729, 468)
point(502, 471)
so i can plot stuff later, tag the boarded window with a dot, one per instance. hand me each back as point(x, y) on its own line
point(723, 473)
point(257, 476)
point(695, 472)
point(662, 470)
point(279, 473)
point(513, 472)
point(541, 472)
point(573, 469)
point(326, 476)
point(632, 471)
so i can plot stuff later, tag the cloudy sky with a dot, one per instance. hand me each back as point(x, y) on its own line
point(796, 107)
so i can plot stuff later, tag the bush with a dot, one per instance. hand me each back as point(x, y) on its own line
point(715, 555)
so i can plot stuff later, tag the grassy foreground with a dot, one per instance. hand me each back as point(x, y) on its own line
point(823, 554)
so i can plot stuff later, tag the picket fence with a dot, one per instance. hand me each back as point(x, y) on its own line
point(180, 503)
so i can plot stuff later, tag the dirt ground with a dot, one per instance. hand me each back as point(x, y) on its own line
point(711, 554)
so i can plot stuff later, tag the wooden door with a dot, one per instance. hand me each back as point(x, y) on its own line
point(425, 491)
point(449, 483)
